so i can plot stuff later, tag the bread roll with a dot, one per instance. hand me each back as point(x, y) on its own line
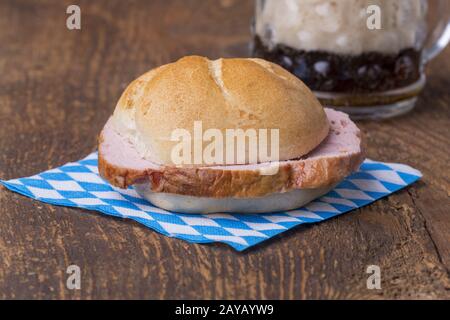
point(222, 94)
point(318, 147)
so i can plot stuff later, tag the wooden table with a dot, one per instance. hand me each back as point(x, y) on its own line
point(57, 89)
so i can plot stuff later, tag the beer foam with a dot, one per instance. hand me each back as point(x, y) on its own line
point(340, 26)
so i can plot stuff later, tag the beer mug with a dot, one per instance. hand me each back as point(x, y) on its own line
point(364, 57)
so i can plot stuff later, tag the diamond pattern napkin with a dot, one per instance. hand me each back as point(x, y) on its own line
point(78, 184)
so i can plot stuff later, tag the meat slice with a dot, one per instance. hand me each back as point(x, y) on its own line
point(335, 158)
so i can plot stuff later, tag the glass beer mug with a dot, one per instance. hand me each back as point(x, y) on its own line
point(364, 57)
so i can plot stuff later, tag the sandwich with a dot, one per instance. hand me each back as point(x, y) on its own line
point(229, 135)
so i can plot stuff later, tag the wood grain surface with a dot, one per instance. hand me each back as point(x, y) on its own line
point(57, 89)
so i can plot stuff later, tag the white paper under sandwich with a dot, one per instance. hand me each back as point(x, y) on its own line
point(78, 184)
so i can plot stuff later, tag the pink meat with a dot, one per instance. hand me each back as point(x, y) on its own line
point(343, 139)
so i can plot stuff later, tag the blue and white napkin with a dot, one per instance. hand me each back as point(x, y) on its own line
point(78, 184)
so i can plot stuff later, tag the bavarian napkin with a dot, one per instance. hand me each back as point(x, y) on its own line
point(78, 184)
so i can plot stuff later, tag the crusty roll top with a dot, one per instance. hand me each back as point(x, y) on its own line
point(222, 94)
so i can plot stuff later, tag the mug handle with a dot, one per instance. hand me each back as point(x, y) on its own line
point(440, 37)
